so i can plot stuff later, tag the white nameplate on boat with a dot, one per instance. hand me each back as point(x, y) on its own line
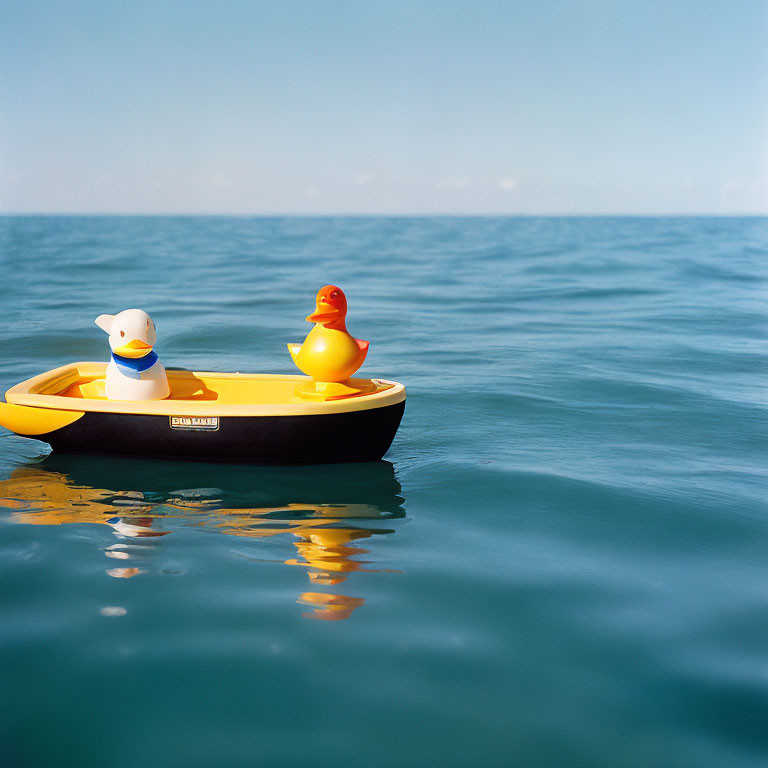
point(194, 422)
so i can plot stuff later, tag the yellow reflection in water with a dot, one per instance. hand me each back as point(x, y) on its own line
point(323, 546)
point(42, 497)
point(329, 607)
point(324, 535)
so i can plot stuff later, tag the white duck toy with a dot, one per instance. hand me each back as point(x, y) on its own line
point(134, 372)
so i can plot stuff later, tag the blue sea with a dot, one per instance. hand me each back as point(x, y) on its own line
point(561, 562)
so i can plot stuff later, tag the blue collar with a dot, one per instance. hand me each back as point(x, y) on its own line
point(137, 364)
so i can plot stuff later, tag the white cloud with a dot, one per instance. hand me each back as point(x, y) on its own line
point(507, 183)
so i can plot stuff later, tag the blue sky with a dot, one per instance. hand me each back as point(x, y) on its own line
point(399, 107)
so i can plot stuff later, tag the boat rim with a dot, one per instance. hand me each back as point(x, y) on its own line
point(24, 394)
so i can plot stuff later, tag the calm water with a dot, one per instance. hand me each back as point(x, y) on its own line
point(563, 560)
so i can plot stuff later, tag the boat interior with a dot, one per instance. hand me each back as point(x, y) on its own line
point(87, 381)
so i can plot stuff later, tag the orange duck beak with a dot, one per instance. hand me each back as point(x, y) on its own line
point(323, 314)
point(330, 306)
point(135, 348)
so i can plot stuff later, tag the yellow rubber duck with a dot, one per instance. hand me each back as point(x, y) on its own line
point(329, 353)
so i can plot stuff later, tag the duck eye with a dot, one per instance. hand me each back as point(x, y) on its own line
point(334, 294)
point(122, 333)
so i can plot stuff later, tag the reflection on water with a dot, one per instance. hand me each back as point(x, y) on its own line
point(320, 508)
point(329, 607)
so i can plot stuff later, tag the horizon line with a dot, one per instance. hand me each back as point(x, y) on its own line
point(391, 215)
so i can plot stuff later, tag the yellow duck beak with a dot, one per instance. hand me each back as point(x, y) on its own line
point(133, 348)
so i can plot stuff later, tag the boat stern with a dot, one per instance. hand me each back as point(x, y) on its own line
point(35, 422)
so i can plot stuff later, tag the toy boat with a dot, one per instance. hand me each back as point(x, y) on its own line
point(260, 418)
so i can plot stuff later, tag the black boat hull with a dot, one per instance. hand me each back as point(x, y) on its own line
point(364, 435)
